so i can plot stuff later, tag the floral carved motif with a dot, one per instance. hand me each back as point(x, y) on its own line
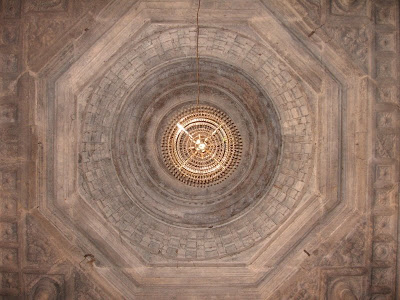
point(43, 34)
point(39, 248)
point(386, 144)
point(350, 252)
point(354, 40)
point(349, 7)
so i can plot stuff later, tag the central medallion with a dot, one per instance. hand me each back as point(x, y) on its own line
point(201, 146)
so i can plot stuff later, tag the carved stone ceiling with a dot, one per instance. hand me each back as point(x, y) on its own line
point(88, 207)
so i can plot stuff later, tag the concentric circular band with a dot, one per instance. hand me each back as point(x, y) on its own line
point(201, 146)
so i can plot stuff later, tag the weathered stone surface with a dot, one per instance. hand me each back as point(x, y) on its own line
point(88, 209)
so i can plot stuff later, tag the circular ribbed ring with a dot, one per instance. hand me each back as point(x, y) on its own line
point(201, 146)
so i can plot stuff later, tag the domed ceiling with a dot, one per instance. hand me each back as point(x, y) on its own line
point(279, 182)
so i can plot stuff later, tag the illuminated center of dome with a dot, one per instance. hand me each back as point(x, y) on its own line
point(201, 146)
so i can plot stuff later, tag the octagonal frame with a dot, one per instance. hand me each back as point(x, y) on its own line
point(57, 209)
